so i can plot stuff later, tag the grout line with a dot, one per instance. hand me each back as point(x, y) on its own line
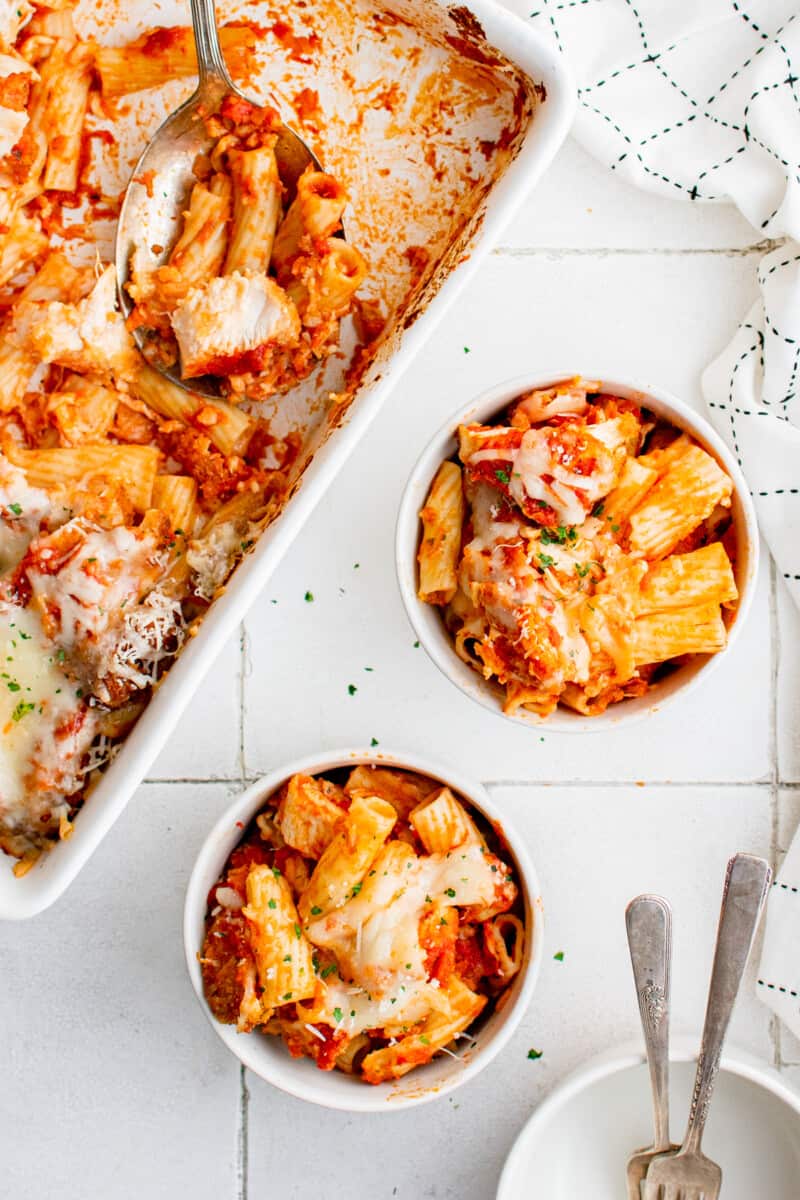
point(224, 780)
point(774, 1025)
point(243, 659)
point(628, 783)
point(246, 779)
point(242, 1136)
point(762, 247)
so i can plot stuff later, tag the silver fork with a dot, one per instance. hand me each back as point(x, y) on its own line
point(648, 920)
point(689, 1175)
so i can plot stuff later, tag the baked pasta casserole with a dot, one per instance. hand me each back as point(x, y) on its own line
point(368, 918)
point(578, 548)
point(125, 500)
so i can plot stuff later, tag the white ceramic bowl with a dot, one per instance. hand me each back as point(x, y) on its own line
point(426, 618)
point(577, 1142)
point(266, 1055)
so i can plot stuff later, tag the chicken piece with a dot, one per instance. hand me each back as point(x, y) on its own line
point(16, 77)
point(89, 336)
point(231, 324)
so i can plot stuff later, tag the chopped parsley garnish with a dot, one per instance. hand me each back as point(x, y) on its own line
point(15, 508)
point(13, 686)
point(287, 995)
point(351, 689)
point(22, 708)
point(356, 889)
point(309, 596)
point(583, 569)
point(545, 560)
point(535, 1053)
point(328, 971)
point(597, 511)
point(442, 920)
point(466, 349)
point(416, 645)
point(614, 527)
point(276, 871)
point(374, 742)
point(559, 535)
point(298, 933)
point(271, 904)
point(338, 1014)
point(287, 958)
point(426, 1041)
point(559, 956)
point(428, 900)
point(502, 476)
point(316, 910)
point(450, 892)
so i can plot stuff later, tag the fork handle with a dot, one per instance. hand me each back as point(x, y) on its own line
point(648, 920)
point(210, 63)
point(746, 882)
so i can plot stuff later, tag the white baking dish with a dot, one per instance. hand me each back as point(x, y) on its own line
point(326, 449)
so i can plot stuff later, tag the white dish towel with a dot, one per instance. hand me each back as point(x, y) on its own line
point(701, 99)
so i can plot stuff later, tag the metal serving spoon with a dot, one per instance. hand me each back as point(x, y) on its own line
point(162, 179)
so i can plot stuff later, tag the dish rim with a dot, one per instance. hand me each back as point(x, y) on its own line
point(426, 620)
point(292, 1075)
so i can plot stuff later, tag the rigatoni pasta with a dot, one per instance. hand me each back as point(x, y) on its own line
point(249, 293)
point(579, 549)
point(417, 931)
point(126, 500)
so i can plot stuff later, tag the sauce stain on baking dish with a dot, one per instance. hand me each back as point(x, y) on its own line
point(404, 102)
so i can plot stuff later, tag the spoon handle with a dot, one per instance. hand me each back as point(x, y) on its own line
point(649, 923)
point(746, 882)
point(210, 63)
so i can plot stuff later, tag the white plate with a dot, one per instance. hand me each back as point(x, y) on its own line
point(576, 1144)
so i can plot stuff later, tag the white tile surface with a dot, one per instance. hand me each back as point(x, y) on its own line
point(206, 744)
point(356, 619)
point(113, 1084)
point(594, 850)
point(581, 205)
point(788, 690)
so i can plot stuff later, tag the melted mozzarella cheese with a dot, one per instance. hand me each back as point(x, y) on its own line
point(569, 493)
point(23, 509)
point(230, 315)
point(92, 589)
point(13, 15)
point(35, 698)
point(535, 459)
point(375, 935)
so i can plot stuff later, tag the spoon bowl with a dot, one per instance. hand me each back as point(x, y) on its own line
point(162, 179)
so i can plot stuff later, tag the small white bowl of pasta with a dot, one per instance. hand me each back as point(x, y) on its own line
point(376, 912)
point(576, 550)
